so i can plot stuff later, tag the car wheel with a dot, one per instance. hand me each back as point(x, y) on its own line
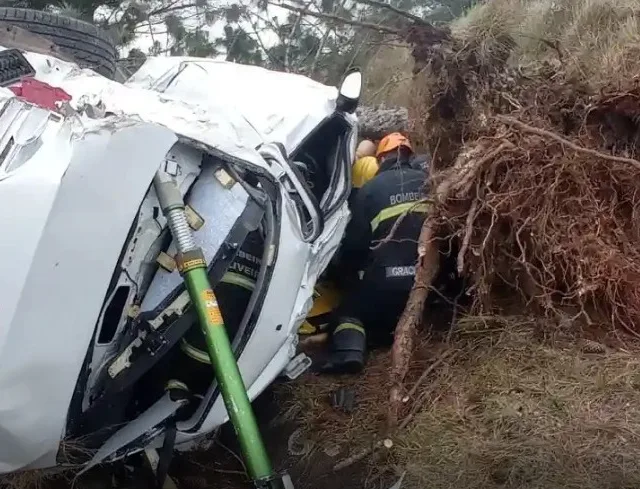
point(87, 44)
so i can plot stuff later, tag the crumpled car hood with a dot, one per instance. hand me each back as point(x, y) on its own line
point(281, 107)
point(233, 108)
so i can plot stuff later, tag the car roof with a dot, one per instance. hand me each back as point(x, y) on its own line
point(280, 107)
point(227, 106)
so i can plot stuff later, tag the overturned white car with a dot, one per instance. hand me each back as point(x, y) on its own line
point(89, 307)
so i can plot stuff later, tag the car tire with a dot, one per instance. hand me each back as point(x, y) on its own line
point(87, 44)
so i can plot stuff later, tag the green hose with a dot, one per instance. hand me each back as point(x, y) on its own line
point(193, 268)
point(226, 370)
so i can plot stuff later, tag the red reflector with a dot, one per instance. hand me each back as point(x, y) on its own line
point(40, 93)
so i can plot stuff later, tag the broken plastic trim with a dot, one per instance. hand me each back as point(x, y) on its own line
point(76, 416)
point(159, 341)
point(276, 153)
point(341, 156)
point(113, 313)
point(278, 481)
point(341, 151)
point(297, 366)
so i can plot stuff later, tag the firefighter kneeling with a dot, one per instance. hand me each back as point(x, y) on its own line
point(380, 267)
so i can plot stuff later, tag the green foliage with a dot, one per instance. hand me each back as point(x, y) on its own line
point(195, 43)
point(450, 10)
point(252, 34)
point(175, 26)
point(134, 60)
point(239, 46)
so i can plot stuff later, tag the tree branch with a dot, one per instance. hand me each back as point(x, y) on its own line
point(395, 10)
point(269, 24)
point(325, 36)
point(356, 52)
point(323, 41)
point(232, 45)
point(172, 8)
point(254, 26)
point(336, 18)
point(287, 48)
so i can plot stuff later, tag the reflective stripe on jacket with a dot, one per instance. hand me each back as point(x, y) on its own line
point(395, 192)
point(193, 343)
point(233, 294)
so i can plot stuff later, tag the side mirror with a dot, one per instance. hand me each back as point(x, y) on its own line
point(349, 91)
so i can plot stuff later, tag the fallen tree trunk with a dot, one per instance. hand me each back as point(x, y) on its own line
point(404, 339)
point(374, 122)
point(459, 178)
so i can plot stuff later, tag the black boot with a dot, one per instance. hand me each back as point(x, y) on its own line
point(348, 349)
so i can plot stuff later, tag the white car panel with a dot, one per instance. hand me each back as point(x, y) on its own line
point(80, 185)
point(208, 197)
point(45, 340)
point(282, 107)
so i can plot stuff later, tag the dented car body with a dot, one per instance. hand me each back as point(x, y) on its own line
point(87, 311)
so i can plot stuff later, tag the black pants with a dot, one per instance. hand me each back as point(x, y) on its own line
point(377, 304)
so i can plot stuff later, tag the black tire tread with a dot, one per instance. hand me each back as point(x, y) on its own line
point(88, 44)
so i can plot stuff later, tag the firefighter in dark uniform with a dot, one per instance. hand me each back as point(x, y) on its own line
point(191, 371)
point(326, 296)
point(381, 278)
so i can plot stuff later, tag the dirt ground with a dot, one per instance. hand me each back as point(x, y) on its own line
point(306, 463)
point(513, 403)
point(221, 466)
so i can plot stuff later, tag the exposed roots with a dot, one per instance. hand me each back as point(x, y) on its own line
point(556, 223)
point(543, 175)
point(537, 177)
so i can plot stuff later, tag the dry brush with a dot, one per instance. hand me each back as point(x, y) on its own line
point(536, 177)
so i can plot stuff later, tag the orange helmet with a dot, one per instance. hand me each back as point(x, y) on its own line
point(392, 141)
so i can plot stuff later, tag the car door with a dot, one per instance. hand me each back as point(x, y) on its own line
point(322, 223)
point(334, 206)
point(339, 148)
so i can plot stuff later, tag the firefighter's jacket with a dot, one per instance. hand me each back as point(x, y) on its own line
point(396, 192)
point(232, 293)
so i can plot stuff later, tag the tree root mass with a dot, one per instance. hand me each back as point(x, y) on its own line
point(536, 176)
